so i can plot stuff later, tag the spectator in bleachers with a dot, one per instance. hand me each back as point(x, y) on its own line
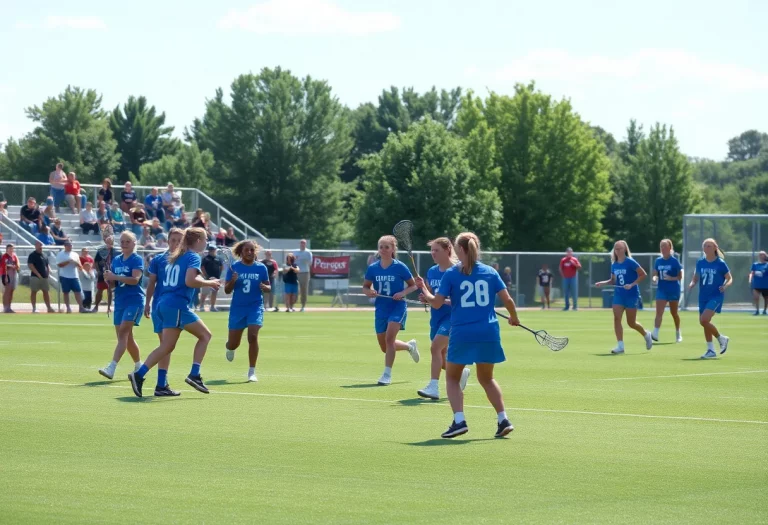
point(208, 231)
point(85, 257)
point(68, 263)
point(127, 198)
point(40, 270)
point(118, 220)
point(105, 192)
point(59, 237)
point(198, 221)
point(87, 277)
point(30, 217)
point(138, 217)
point(102, 214)
point(155, 227)
point(177, 217)
point(44, 236)
point(153, 204)
point(75, 199)
point(230, 239)
point(168, 196)
point(211, 267)
point(146, 237)
point(220, 237)
point(3, 209)
point(569, 268)
point(88, 220)
point(161, 241)
point(272, 269)
point(49, 213)
point(9, 276)
point(58, 180)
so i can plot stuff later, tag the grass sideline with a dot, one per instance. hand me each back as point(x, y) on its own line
point(655, 436)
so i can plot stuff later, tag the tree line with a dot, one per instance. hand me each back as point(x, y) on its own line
point(522, 169)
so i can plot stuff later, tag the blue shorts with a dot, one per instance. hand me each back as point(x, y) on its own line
point(439, 327)
point(240, 319)
point(463, 353)
point(157, 323)
point(714, 304)
point(176, 317)
point(291, 288)
point(70, 285)
point(381, 323)
point(661, 295)
point(130, 314)
point(58, 196)
point(627, 301)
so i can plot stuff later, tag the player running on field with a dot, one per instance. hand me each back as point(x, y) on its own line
point(667, 273)
point(758, 279)
point(386, 281)
point(626, 274)
point(472, 288)
point(154, 290)
point(247, 281)
point(125, 275)
point(440, 318)
point(181, 278)
point(713, 277)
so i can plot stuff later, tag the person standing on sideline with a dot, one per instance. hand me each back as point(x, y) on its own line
point(9, 272)
point(569, 271)
point(87, 278)
point(210, 267)
point(545, 278)
point(68, 263)
point(103, 261)
point(272, 268)
point(38, 280)
point(304, 262)
point(758, 279)
point(58, 179)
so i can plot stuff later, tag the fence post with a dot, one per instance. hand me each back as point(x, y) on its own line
point(517, 278)
point(589, 283)
point(24, 193)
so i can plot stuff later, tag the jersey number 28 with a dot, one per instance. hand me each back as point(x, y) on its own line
point(475, 294)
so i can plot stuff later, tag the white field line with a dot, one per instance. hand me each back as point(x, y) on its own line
point(384, 401)
point(683, 375)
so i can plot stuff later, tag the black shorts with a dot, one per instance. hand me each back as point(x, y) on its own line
point(763, 291)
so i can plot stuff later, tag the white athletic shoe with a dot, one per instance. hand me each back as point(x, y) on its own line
point(430, 392)
point(464, 378)
point(679, 338)
point(648, 341)
point(230, 354)
point(108, 371)
point(252, 378)
point(617, 351)
point(413, 350)
point(385, 380)
point(723, 340)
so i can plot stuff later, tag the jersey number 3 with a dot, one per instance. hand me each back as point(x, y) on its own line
point(475, 294)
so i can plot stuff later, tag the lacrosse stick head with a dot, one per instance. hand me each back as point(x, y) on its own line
point(553, 343)
point(226, 254)
point(403, 232)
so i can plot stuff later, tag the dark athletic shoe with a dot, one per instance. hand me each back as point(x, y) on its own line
point(136, 383)
point(456, 429)
point(196, 382)
point(505, 427)
point(166, 392)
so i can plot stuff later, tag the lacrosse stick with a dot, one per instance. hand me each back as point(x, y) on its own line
point(543, 338)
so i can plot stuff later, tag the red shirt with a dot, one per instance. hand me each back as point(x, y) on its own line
point(569, 265)
point(8, 260)
point(72, 188)
point(86, 259)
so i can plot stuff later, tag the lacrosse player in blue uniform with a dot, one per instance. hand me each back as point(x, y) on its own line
point(713, 277)
point(667, 273)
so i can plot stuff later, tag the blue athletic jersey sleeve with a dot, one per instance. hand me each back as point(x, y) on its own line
point(711, 278)
point(175, 292)
point(388, 281)
point(247, 292)
point(128, 294)
point(668, 268)
point(434, 276)
point(759, 275)
point(157, 268)
point(473, 318)
point(625, 273)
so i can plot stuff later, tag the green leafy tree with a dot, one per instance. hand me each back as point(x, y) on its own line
point(189, 167)
point(141, 135)
point(747, 145)
point(425, 175)
point(279, 147)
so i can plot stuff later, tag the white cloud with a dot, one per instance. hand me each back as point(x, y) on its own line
point(647, 69)
point(307, 17)
point(66, 22)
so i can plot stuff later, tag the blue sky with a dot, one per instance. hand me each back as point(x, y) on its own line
point(701, 66)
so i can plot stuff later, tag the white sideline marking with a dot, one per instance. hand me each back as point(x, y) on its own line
point(684, 375)
point(384, 401)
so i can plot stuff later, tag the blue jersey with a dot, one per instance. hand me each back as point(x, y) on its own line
point(247, 293)
point(175, 292)
point(157, 268)
point(473, 318)
point(760, 276)
point(388, 281)
point(434, 276)
point(625, 273)
point(128, 294)
point(711, 278)
point(668, 268)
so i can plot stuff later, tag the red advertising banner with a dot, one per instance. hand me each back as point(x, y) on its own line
point(330, 267)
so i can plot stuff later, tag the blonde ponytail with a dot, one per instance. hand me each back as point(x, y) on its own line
point(469, 242)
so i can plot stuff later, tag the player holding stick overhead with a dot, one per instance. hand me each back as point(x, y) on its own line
point(440, 318)
point(472, 288)
point(389, 277)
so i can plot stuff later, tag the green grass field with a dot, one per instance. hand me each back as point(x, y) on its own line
point(648, 437)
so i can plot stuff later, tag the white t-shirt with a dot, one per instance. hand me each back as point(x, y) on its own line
point(69, 271)
point(87, 279)
point(168, 197)
point(303, 260)
point(88, 216)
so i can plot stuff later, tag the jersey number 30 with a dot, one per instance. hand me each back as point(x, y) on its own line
point(475, 294)
point(171, 275)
